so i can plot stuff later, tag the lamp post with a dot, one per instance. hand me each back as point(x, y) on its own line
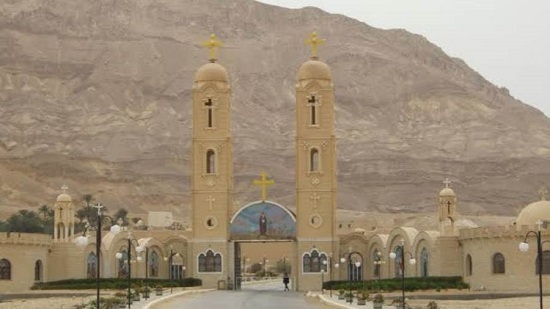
point(336, 265)
point(265, 261)
point(82, 241)
point(328, 266)
point(412, 261)
point(378, 265)
point(118, 255)
point(351, 263)
point(524, 246)
point(169, 258)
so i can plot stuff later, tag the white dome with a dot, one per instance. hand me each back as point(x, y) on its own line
point(64, 197)
point(212, 72)
point(447, 192)
point(534, 212)
point(314, 69)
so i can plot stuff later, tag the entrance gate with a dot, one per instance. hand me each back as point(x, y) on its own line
point(261, 221)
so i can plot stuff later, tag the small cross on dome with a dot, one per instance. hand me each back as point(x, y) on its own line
point(447, 182)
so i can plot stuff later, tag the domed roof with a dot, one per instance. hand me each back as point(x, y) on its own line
point(314, 69)
point(534, 212)
point(447, 192)
point(64, 197)
point(211, 72)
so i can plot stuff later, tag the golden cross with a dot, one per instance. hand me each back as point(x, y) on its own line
point(212, 44)
point(314, 41)
point(264, 183)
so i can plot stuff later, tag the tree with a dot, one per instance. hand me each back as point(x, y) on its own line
point(123, 214)
point(43, 210)
point(256, 267)
point(25, 221)
point(282, 266)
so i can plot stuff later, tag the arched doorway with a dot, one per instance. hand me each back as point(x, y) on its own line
point(254, 226)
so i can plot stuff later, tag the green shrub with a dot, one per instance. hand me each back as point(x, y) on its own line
point(112, 283)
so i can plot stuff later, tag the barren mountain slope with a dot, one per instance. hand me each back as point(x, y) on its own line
point(96, 94)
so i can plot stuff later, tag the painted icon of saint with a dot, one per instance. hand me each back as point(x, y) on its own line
point(262, 221)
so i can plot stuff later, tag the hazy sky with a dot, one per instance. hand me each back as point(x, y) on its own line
point(506, 41)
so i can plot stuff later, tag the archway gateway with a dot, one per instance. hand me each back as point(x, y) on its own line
point(261, 222)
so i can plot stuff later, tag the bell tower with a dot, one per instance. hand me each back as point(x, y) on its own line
point(63, 217)
point(316, 182)
point(212, 169)
point(447, 209)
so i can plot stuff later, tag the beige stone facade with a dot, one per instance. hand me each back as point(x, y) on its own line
point(210, 253)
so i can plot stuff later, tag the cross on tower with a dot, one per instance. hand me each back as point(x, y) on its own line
point(212, 44)
point(264, 183)
point(314, 197)
point(447, 182)
point(314, 41)
point(543, 193)
point(210, 200)
point(64, 188)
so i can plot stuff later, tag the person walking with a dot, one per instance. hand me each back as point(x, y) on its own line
point(286, 281)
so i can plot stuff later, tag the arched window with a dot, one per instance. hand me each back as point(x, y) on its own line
point(154, 264)
point(91, 265)
point(210, 162)
point(355, 273)
point(312, 262)
point(498, 263)
point(424, 262)
point(469, 266)
point(376, 261)
point(314, 160)
point(210, 262)
point(209, 106)
point(38, 270)
point(398, 266)
point(123, 265)
point(545, 263)
point(5, 269)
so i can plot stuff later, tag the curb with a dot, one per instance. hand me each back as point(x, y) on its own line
point(162, 299)
point(327, 301)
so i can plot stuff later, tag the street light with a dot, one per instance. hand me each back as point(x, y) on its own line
point(82, 241)
point(265, 261)
point(412, 261)
point(118, 255)
point(328, 266)
point(169, 258)
point(351, 263)
point(524, 246)
point(378, 262)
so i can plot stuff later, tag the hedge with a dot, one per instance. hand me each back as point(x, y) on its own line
point(394, 284)
point(113, 283)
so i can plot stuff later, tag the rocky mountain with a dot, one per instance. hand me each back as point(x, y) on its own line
point(96, 94)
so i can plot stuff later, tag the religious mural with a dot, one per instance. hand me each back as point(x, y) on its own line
point(263, 220)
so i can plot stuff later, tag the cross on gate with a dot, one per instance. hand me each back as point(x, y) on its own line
point(449, 207)
point(264, 183)
point(210, 200)
point(314, 197)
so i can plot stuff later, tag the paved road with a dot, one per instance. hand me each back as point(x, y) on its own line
point(268, 296)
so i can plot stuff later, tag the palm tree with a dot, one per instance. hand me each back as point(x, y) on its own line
point(44, 210)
